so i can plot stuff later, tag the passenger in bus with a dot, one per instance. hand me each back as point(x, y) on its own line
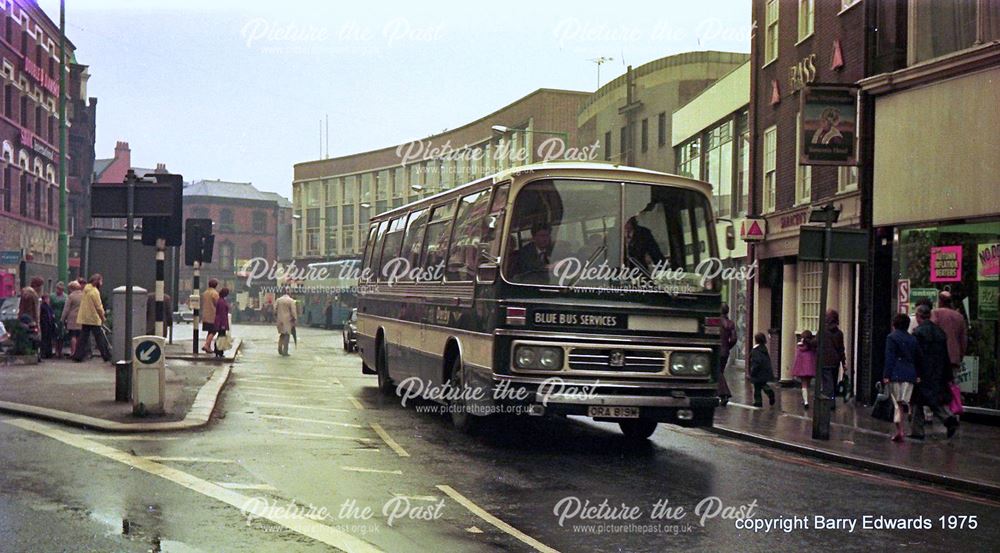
point(640, 245)
point(533, 261)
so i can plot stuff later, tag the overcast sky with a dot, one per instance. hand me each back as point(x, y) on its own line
point(236, 89)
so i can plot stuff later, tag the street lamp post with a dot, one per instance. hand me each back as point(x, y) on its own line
point(827, 215)
point(63, 253)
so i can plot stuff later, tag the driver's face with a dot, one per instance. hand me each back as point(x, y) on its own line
point(542, 239)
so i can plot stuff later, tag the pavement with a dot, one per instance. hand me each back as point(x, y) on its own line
point(83, 394)
point(969, 461)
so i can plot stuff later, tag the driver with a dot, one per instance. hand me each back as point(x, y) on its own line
point(533, 261)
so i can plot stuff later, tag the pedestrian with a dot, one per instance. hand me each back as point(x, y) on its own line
point(221, 319)
point(70, 313)
point(31, 304)
point(47, 327)
point(90, 317)
point(208, 299)
point(285, 313)
point(953, 325)
point(932, 387)
point(328, 314)
point(761, 371)
point(833, 357)
point(902, 361)
point(804, 366)
point(58, 303)
point(727, 339)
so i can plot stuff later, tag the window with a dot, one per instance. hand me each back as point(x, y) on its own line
point(8, 185)
point(645, 135)
point(809, 291)
point(259, 221)
point(719, 166)
point(370, 245)
point(661, 129)
point(689, 162)
point(743, 175)
point(463, 256)
point(227, 256)
point(8, 100)
point(806, 18)
point(607, 146)
point(53, 209)
point(24, 110)
point(413, 241)
point(258, 249)
point(771, 32)
point(847, 178)
point(376, 236)
point(623, 145)
point(226, 220)
point(200, 213)
point(331, 217)
point(351, 188)
point(390, 248)
point(436, 240)
point(803, 173)
point(331, 241)
point(943, 27)
point(770, 168)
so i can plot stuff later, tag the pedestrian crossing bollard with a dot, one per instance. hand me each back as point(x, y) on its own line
point(148, 375)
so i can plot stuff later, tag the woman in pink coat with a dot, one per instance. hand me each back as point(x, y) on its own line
point(805, 364)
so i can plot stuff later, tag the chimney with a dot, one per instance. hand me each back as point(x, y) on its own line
point(123, 153)
point(161, 168)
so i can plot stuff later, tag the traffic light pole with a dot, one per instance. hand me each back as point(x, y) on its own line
point(161, 252)
point(822, 404)
point(196, 296)
point(130, 179)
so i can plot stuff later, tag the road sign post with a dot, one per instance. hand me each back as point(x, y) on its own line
point(148, 375)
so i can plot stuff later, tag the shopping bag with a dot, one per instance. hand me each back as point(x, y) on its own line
point(956, 399)
point(223, 343)
point(883, 409)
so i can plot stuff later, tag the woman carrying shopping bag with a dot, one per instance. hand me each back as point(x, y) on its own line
point(902, 361)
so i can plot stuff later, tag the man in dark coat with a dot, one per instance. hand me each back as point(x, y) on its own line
point(761, 371)
point(532, 262)
point(832, 356)
point(934, 378)
point(727, 339)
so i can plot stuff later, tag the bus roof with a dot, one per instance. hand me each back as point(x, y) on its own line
point(565, 169)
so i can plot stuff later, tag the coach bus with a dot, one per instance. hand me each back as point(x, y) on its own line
point(336, 290)
point(558, 288)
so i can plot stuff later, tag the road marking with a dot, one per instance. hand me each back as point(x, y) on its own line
point(242, 486)
point(417, 497)
point(388, 440)
point(375, 449)
point(161, 459)
point(279, 396)
point(357, 404)
point(331, 409)
point(318, 435)
point(301, 388)
point(501, 525)
point(307, 527)
point(379, 471)
point(131, 438)
point(281, 377)
point(314, 421)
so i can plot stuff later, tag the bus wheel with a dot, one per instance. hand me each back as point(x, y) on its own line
point(382, 370)
point(461, 418)
point(637, 429)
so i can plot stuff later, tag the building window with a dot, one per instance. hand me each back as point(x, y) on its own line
point(7, 186)
point(770, 168)
point(8, 100)
point(258, 249)
point(806, 18)
point(24, 110)
point(200, 213)
point(623, 144)
point(661, 129)
point(803, 173)
point(607, 146)
point(689, 162)
point(226, 221)
point(227, 256)
point(348, 240)
point(719, 166)
point(53, 208)
point(25, 194)
point(771, 32)
point(810, 274)
point(939, 28)
point(847, 178)
point(645, 135)
point(743, 176)
point(259, 221)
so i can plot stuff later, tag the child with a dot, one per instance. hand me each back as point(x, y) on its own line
point(760, 370)
point(805, 364)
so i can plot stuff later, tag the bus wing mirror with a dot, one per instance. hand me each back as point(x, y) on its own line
point(730, 238)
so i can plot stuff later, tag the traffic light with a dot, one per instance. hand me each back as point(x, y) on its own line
point(198, 238)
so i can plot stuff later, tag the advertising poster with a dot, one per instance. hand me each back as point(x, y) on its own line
point(829, 125)
point(946, 264)
point(988, 261)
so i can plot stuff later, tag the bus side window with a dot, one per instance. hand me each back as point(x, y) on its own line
point(369, 245)
point(390, 249)
point(373, 264)
point(412, 240)
point(489, 247)
point(436, 241)
point(463, 257)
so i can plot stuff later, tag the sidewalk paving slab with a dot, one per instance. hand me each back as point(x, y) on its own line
point(970, 461)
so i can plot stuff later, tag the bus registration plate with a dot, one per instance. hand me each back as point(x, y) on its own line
point(604, 411)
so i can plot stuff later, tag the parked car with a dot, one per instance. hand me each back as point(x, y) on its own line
point(351, 332)
point(183, 315)
point(8, 309)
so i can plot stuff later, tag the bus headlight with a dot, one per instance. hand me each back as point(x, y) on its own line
point(538, 358)
point(690, 364)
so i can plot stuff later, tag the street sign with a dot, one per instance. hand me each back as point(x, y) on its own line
point(148, 352)
point(10, 257)
point(846, 245)
point(151, 200)
point(752, 230)
point(903, 296)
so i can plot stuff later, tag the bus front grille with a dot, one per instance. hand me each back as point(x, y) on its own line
point(619, 360)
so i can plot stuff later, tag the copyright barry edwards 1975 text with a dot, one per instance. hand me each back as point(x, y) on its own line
point(855, 524)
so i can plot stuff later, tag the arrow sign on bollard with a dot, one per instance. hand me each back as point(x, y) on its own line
point(148, 352)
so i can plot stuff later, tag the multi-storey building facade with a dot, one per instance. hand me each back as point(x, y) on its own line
point(81, 136)
point(335, 197)
point(29, 138)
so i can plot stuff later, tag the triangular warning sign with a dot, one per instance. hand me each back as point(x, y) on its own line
point(838, 56)
point(755, 230)
point(775, 93)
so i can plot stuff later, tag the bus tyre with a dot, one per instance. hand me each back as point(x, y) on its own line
point(637, 429)
point(461, 418)
point(382, 370)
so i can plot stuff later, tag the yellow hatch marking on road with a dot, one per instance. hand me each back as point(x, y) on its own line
point(159, 458)
point(282, 378)
point(242, 486)
point(357, 404)
point(380, 471)
point(307, 527)
point(279, 396)
point(503, 526)
point(318, 435)
point(315, 421)
point(388, 440)
point(309, 407)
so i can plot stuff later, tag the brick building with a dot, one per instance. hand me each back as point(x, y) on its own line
point(797, 44)
point(29, 136)
point(81, 136)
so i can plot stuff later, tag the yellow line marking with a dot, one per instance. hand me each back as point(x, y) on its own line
point(314, 421)
point(281, 377)
point(274, 387)
point(242, 486)
point(375, 449)
point(499, 524)
point(159, 458)
point(362, 469)
point(278, 396)
point(319, 435)
point(331, 409)
point(388, 440)
point(417, 497)
point(357, 404)
point(307, 527)
point(130, 438)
